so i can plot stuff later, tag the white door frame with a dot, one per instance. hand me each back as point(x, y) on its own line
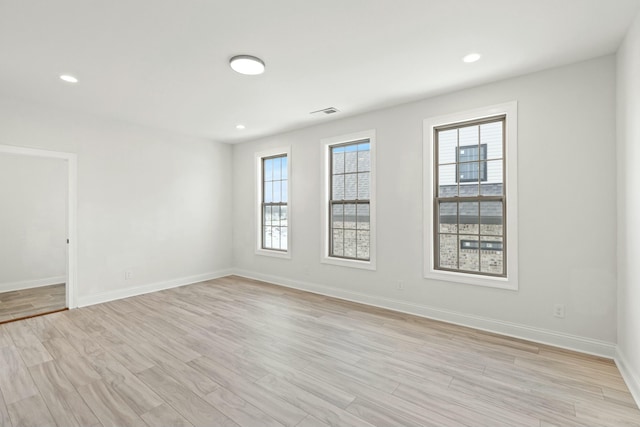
point(72, 211)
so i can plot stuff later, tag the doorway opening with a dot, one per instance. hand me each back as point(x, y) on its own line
point(37, 232)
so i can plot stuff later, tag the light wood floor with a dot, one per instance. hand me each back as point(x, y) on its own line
point(31, 302)
point(237, 352)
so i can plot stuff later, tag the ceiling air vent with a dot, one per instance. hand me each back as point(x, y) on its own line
point(329, 110)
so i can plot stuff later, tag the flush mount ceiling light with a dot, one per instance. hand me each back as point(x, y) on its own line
point(247, 64)
point(68, 78)
point(240, 127)
point(472, 57)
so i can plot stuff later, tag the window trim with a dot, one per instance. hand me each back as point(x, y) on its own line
point(509, 110)
point(325, 145)
point(259, 157)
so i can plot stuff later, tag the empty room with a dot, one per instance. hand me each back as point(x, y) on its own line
point(338, 213)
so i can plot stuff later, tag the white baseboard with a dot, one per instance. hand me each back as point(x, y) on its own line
point(28, 284)
point(542, 336)
point(152, 287)
point(631, 378)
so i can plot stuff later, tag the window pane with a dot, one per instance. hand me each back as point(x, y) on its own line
point(277, 167)
point(350, 243)
point(268, 192)
point(350, 216)
point(469, 217)
point(364, 146)
point(448, 217)
point(338, 242)
point(351, 186)
point(283, 238)
point(275, 237)
point(493, 186)
point(363, 244)
point(468, 172)
point(276, 191)
point(364, 160)
point(267, 237)
point(338, 187)
point(285, 171)
point(468, 189)
point(338, 162)
point(448, 251)
point(491, 218)
point(267, 215)
point(284, 216)
point(285, 192)
point(491, 135)
point(363, 186)
point(468, 136)
point(363, 216)
point(468, 153)
point(447, 146)
point(482, 173)
point(275, 215)
point(268, 169)
point(337, 216)
point(448, 186)
point(469, 253)
point(351, 160)
point(492, 255)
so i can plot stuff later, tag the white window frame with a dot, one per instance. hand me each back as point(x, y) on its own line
point(326, 145)
point(510, 110)
point(259, 250)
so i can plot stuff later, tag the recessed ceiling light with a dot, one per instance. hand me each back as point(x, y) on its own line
point(247, 64)
point(69, 79)
point(472, 57)
point(240, 127)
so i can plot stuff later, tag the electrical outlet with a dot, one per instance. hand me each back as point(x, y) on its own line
point(558, 311)
point(400, 286)
point(128, 275)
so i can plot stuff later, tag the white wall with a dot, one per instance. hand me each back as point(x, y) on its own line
point(149, 202)
point(33, 221)
point(629, 207)
point(567, 205)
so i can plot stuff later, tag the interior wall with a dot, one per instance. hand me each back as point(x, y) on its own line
point(567, 208)
point(33, 221)
point(150, 202)
point(628, 114)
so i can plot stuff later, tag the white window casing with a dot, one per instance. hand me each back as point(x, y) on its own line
point(325, 217)
point(509, 111)
point(258, 198)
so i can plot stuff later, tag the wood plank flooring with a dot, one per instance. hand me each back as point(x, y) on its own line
point(236, 352)
point(31, 302)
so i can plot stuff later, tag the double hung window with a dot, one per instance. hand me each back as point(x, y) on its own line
point(470, 197)
point(273, 207)
point(349, 200)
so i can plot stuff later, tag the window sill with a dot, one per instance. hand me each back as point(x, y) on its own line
point(273, 254)
point(471, 279)
point(351, 263)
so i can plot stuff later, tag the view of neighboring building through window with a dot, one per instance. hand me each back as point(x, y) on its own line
point(349, 204)
point(469, 211)
point(469, 170)
point(274, 203)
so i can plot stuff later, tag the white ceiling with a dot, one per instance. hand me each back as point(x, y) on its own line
point(164, 63)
